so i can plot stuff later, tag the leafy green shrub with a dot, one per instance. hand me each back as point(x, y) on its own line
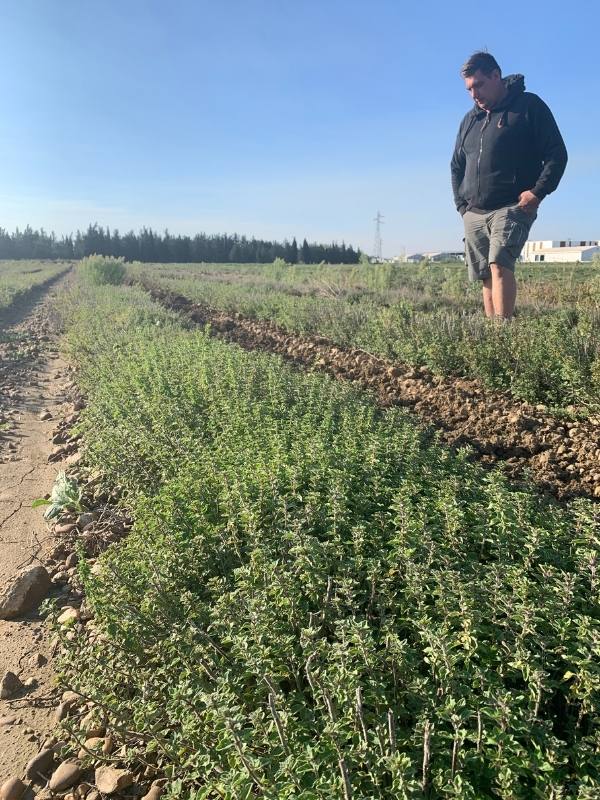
point(318, 602)
point(101, 270)
point(544, 357)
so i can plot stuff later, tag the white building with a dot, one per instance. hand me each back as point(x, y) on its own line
point(563, 250)
point(445, 255)
point(432, 255)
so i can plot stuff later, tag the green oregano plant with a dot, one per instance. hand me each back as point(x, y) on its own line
point(318, 601)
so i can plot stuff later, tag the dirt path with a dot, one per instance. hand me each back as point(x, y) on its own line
point(531, 445)
point(31, 378)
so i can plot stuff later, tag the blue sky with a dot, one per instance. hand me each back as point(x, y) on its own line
point(275, 118)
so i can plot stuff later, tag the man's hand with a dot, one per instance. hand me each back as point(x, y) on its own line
point(529, 202)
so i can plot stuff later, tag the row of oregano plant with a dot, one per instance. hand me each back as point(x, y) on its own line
point(316, 599)
point(549, 356)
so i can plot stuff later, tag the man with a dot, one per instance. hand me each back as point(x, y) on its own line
point(508, 156)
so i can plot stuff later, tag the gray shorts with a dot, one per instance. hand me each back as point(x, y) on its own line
point(496, 237)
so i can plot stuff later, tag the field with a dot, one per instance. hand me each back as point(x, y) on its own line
point(425, 316)
point(318, 598)
point(19, 278)
point(317, 560)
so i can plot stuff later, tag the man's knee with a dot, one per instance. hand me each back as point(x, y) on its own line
point(499, 271)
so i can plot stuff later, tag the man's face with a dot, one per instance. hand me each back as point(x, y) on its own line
point(485, 90)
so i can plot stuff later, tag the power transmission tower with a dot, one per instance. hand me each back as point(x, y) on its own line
point(377, 252)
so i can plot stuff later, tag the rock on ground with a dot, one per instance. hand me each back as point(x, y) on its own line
point(65, 776)
point(110, 780)
point(39, 765)
point(154, 792)
point(10, 685)
point(26, 590)
point(12, 789)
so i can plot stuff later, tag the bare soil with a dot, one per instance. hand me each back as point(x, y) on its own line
point(31, 382)
point(530, 444)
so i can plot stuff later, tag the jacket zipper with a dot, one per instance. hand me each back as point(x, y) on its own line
point(483, 127)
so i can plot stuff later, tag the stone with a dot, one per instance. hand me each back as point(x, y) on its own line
point(91, 725)
point(49, 743)
point(45, 415)
point(12, 789)
point(25, 592)
point(64, 527)
point(72, 560)
point(56, 454)
point(39, 660)
point(154, 792)
point(67, 775)
point(61, 749)
point(39, 765)
point(10, 720)
point(68, 616)
point(10, 685)
point(59, 552)
point(94, 731)
point(62, 712)
point(110, 780)
point(94, 744)
point(85, 519)
point(83, 790)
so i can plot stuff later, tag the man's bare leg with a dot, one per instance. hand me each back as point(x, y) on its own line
point(504, 291)
point(488, 299)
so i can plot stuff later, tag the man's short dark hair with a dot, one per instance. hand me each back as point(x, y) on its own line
point(479, 61)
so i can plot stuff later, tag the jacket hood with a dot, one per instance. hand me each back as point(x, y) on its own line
point(515, 85)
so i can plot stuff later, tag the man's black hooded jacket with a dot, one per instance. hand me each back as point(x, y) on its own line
point(512, 148)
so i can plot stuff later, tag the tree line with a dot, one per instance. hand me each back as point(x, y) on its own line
point(148, 245)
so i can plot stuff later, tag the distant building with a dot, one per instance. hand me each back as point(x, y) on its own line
point(562, 250)
point(446, 255)
point(437, 255)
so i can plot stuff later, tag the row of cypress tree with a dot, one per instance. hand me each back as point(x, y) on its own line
point(148, 245)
